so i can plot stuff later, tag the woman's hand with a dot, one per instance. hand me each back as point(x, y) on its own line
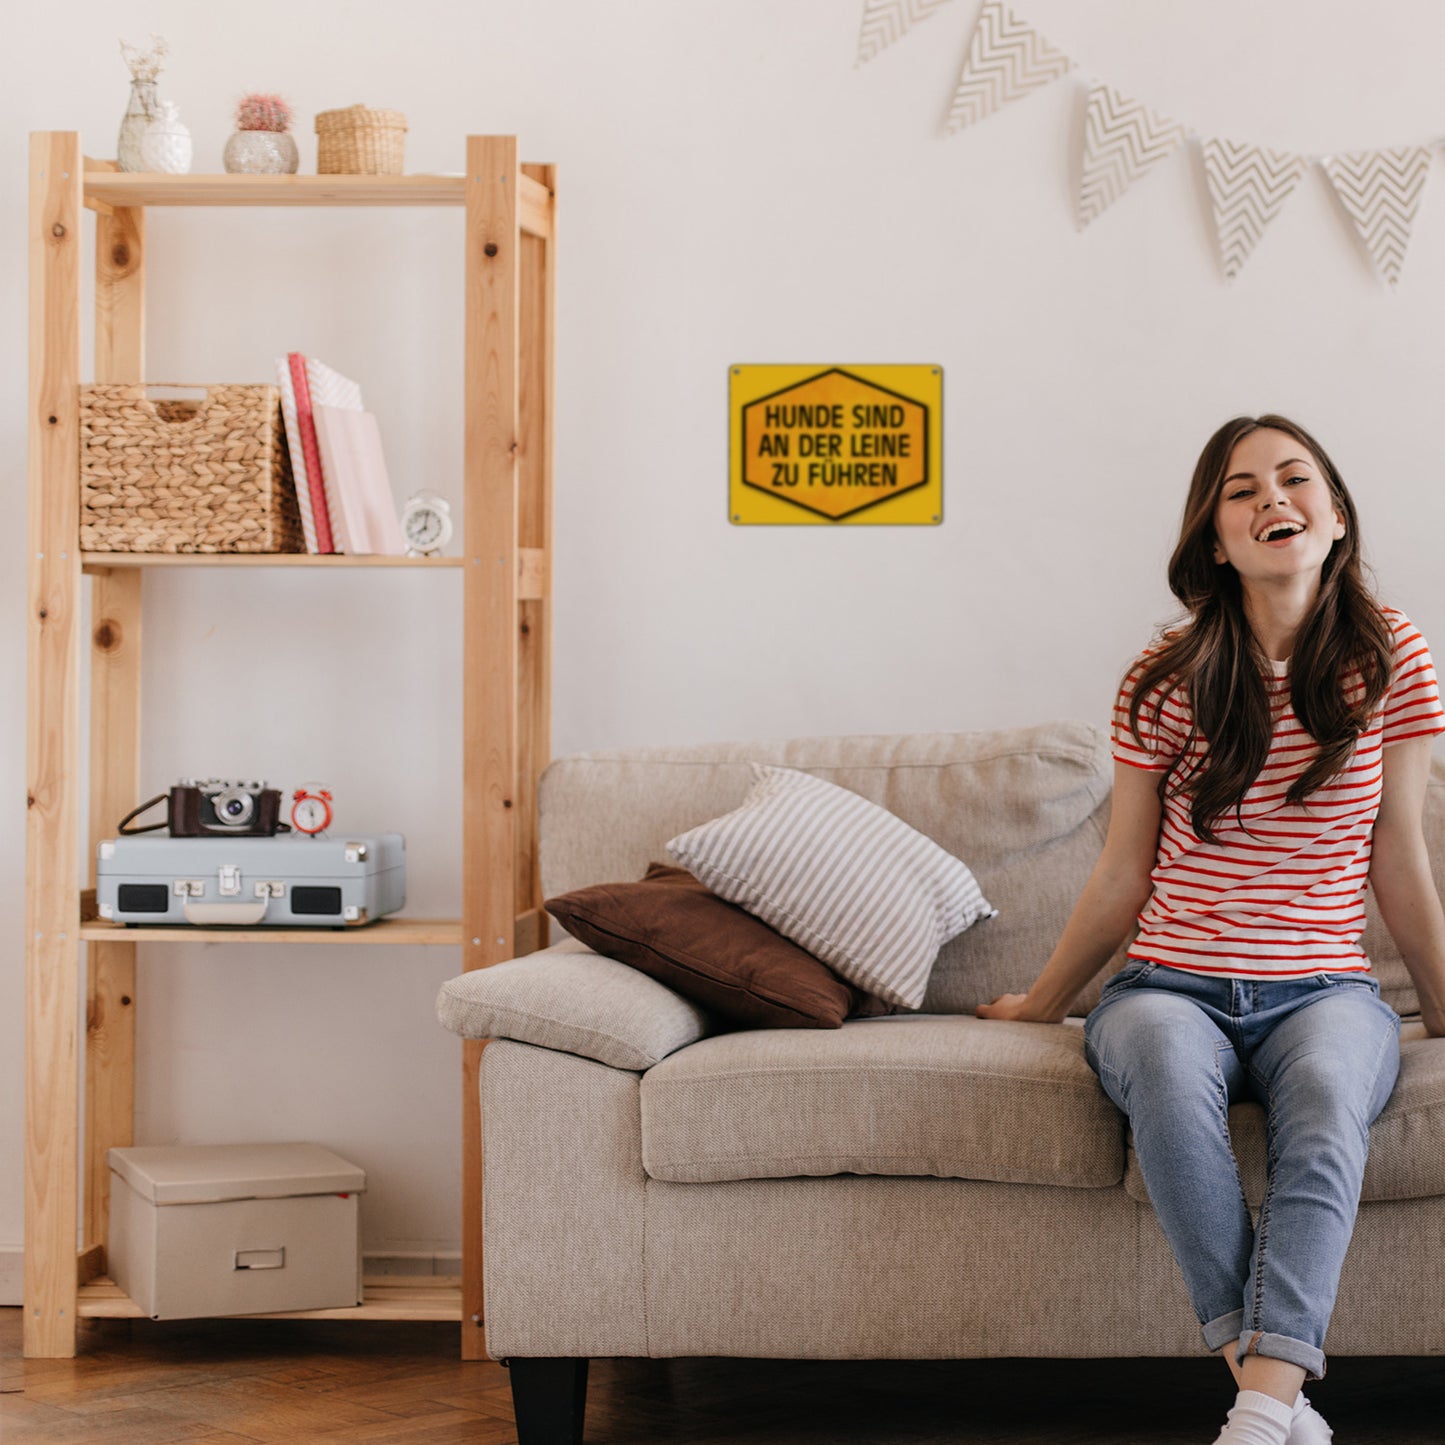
point(1011, 1006)
point(1117, 889)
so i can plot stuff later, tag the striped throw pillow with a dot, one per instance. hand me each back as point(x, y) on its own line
point(843, 878)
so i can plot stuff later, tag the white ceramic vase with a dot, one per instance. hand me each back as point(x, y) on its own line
point(166, 146)
point(261, 152)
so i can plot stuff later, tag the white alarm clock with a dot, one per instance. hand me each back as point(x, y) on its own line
point(426, 524)
point(311, 809)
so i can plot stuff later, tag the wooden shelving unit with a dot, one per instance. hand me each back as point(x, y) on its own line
point(508, 269)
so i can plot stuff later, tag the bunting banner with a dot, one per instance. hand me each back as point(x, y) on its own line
point(1248, 186)
point(1007, 58)
point(1122, 140)
point(1381, 190)
point(885, 21)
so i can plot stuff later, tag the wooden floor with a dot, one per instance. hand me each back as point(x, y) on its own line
point(136, 1383)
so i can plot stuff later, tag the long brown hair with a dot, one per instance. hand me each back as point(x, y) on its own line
point(1219, 663)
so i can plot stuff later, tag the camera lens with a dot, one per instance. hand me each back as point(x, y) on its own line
point(234, 807)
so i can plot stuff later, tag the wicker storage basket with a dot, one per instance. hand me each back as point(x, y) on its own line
point(186, 476)
point(359, 142)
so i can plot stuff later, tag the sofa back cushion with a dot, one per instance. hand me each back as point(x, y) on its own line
point(1025, 808)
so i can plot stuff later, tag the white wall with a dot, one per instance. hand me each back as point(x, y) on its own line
point(733, 190)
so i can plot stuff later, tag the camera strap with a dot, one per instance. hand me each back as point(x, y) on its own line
point(145, 807)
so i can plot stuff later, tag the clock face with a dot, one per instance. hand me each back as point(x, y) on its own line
point(423, 528)
point(310, 815)
point(426, 524)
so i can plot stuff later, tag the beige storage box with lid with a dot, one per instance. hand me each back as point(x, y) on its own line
point(235, 1229)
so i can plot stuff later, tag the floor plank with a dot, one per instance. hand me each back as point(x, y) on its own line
point(213, 1381)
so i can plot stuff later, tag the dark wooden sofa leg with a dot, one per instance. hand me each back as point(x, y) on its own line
point(549, 1398)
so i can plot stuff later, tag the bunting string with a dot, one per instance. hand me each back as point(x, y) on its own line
point(1124, 139)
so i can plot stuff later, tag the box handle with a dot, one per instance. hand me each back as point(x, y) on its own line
point(151, 404)
point(238, 913)
point(260, 1259)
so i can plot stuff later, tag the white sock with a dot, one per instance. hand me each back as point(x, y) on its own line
point(1257, 1419)
point(1307, 1425)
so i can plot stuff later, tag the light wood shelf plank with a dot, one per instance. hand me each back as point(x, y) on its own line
point(533, 572)
point(100, 561)
point(146, 188)
point(142, 188)
point(384, 930)
point(385, 1297)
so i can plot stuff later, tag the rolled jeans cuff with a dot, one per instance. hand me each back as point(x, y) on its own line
point(1223, 1331)
point(1281, 1347)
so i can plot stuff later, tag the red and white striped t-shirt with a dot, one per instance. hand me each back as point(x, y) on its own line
point(1285, 899)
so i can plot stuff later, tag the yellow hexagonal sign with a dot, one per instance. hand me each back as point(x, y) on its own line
point(829, 444)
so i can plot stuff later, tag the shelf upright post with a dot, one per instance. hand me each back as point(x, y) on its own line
point(489, 704)
point(537, 296)
point(115, 637)
point(52, 891)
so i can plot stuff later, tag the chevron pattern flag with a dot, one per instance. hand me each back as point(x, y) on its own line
point(1122, 140)
point(885, 21)
point(1248, 186)
point(1007, 58)
point(1381, 190)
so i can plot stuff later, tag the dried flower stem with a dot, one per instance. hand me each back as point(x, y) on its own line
point(145, 64)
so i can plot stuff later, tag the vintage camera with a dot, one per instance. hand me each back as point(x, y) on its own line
point(214, 806)
point(218, 806)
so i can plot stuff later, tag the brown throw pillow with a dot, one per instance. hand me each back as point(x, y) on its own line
point(670, 927)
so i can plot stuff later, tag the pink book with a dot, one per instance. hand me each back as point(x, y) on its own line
point(363, 510)
point(306, 425)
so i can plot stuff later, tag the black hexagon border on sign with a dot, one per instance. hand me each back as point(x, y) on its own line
point(862, 381)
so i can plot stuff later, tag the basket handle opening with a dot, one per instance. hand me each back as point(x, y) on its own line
point(175, 403)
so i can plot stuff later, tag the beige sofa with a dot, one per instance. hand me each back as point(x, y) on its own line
point(919, 1186)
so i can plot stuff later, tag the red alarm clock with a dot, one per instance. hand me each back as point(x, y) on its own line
point(311, 809)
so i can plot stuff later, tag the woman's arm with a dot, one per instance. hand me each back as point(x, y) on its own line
point(1400, 875)
point(1117, 889)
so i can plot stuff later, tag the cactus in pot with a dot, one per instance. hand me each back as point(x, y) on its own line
point(262, 143)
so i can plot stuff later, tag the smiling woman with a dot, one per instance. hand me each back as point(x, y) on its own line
point(1271, 758)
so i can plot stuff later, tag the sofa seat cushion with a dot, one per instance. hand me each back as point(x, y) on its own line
point(952, 1097)
point(1407, 1141)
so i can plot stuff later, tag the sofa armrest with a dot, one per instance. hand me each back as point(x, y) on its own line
point(575, 1001)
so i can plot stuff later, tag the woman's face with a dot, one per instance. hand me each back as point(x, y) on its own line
point(1274, 519)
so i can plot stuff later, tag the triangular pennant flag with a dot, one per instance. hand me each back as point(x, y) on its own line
point(1248, 186)
point(884, 21)
point(1381, 190)
point(1122, 140)
point(1007, 58)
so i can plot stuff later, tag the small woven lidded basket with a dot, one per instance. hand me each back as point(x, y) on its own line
point(359, 142)
point(186, 476)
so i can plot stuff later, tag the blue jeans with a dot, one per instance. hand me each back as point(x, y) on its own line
point(1173, 1050)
